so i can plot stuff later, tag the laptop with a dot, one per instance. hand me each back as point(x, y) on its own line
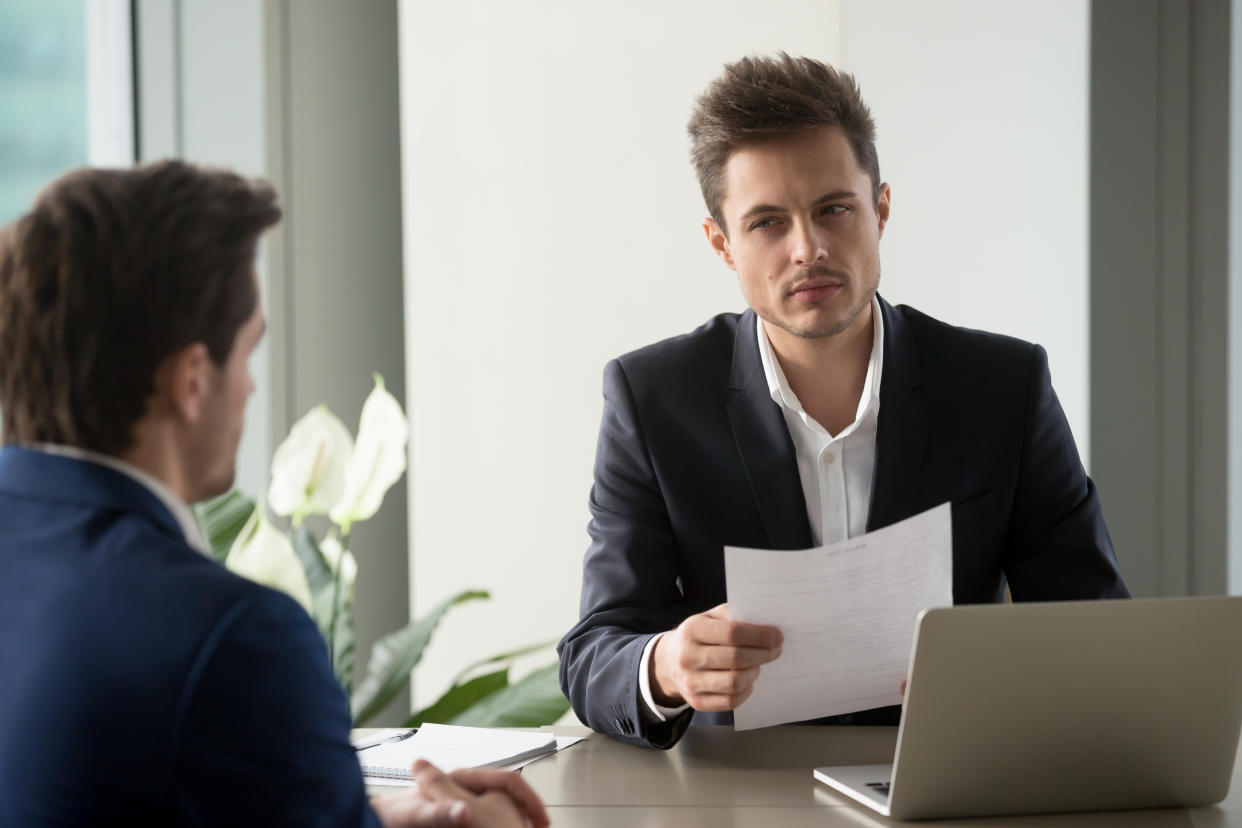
point(1065, 706)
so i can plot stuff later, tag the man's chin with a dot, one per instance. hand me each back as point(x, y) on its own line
point(215, 488)
point(822, 330)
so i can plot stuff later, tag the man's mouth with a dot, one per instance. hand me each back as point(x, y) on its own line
point(815, 290)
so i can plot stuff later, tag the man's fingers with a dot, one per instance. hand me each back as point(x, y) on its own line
point(411, 807)
point(708, 653)
point(727, 682)
point(726, 658)
point(719, 702)
point(447, 813)
point(710, 631)
point(481, 780)
point(434, 783)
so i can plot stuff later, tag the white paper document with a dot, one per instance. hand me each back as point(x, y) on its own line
point(847, 612)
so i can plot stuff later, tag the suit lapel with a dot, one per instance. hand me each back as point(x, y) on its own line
point(763, 441)
point(901, 432)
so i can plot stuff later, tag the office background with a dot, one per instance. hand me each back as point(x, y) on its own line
point(485, 201)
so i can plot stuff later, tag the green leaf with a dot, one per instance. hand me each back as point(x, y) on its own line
point(459, 697)
point(496, 659)
point(221, 519)
point(323, 587)
point(318, 575)
point(343, 647)
point(395, 655)
point(534, 701)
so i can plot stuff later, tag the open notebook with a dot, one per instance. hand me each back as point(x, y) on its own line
point(450, 747)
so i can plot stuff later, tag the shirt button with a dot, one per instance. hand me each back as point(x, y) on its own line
point(829, 457)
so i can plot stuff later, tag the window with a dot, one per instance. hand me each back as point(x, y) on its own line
point(66, 95)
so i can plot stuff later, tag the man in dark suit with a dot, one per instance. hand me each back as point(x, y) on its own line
point(820, 413)
point(143, 684)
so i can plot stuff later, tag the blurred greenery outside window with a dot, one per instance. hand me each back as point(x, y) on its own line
point(43, 99)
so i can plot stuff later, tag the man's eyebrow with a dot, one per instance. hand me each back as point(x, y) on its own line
point(836, 195)
point(761, 208)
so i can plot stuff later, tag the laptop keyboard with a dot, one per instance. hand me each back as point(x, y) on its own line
point(879, 787)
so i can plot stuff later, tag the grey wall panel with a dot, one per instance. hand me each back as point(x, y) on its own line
point(343, 271)
point(1125, 253)
point(1159, 287)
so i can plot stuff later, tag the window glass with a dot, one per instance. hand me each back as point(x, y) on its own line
point(43, 105)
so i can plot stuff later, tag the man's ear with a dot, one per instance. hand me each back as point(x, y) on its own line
point(883, 205)
point(184, 381)
point(718, 240)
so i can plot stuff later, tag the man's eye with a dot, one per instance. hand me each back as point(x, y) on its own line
point(833, 209)
point(762, 224)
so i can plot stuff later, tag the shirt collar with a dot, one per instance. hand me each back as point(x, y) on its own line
point(174, 504)
point(783, 395)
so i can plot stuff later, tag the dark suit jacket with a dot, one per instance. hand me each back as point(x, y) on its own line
point(694, 455)
point(144, 684)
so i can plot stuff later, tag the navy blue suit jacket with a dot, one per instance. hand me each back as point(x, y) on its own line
point(142, 683)
point(694, 455)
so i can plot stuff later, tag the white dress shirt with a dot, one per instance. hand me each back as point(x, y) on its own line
point(175, 505)
point(835, 470)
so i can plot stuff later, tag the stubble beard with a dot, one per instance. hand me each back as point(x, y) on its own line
point(834, 328)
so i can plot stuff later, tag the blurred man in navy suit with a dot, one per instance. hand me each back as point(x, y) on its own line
point(143, 683)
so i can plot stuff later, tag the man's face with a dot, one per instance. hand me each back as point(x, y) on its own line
point(803, 232)
point(224, 411)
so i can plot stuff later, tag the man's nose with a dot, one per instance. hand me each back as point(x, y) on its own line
point(809, 246)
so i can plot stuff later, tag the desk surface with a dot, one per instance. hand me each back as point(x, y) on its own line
point(762, 779)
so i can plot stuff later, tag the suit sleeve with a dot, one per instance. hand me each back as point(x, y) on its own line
point(264, 727)
point(629, 582)
point(1058, 546)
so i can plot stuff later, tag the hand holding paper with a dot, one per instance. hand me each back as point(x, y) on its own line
point(710, 661)
point(847, 612)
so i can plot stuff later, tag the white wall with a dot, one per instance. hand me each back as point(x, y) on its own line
point(551, 222)
point(981, 111)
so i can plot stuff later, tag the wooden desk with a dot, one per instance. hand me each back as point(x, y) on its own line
point(762, 779)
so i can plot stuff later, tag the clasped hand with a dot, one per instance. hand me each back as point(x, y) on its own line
point(711, 662)
point(469, 797)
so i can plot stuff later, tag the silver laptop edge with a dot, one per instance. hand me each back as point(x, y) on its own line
point(1064, 706)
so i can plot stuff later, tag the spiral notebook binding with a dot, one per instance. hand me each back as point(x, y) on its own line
point(386, 773)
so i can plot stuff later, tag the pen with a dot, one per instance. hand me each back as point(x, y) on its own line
point(400, 737)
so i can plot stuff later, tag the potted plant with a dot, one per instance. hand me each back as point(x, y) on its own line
point(321, 470)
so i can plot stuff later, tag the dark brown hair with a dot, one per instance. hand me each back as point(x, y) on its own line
point(760, 98)
point(109, 273)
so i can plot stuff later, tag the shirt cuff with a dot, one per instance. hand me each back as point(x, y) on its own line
point(644, 685)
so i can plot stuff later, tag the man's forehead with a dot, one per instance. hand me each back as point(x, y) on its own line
point(814, 162)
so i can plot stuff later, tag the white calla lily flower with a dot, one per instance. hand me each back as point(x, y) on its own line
point(378, 459)
point(333, 557)
point(308, 470)
point(261, 553)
